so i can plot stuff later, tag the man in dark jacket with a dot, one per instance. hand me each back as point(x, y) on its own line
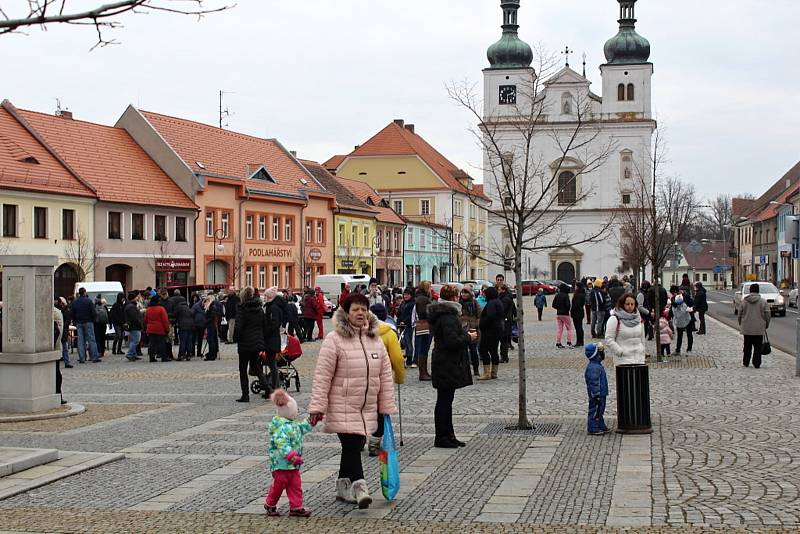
point(273, 318)
point(84, 315)
point(199, 317)
point(134, 324)
point(231, 308)
point(422, 330)
point(615, 291)
point(404, 322)
point(509, 316)
point(184, 326)
point(491, 326)
point(250, 335)
point(700, 306)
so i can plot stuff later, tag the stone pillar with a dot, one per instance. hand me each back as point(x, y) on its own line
point(27, 368)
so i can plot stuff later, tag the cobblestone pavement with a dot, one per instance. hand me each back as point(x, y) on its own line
point(723, 453)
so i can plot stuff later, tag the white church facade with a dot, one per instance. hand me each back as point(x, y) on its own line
point(589, 190)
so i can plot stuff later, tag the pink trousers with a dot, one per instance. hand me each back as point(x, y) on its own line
point(288, 480)
point(562, 322)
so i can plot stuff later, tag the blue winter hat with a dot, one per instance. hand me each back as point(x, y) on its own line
point(679, 300)
point(591, 350)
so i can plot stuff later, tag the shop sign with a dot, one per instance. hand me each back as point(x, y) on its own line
point(270, 252)
point(315, 254)
point(347, 264)
point(173, 264)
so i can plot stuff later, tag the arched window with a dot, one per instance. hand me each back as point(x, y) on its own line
point(621, 92)
point(567, 188)
point(630, 91)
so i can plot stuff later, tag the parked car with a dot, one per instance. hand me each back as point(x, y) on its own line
point(532, 287)
point(559, 284)
point(768, 292)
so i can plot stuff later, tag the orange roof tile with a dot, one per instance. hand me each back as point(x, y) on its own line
point(367, 194)
point(396, 140)
point(26, 164)
point(344, 197)
point(213, 151)
point(110, 160)
point(333, 163)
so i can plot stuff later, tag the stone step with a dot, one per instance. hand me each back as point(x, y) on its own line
point(14, 460)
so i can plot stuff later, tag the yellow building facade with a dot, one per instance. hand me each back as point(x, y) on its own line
point(354, 244)
point(420, 184)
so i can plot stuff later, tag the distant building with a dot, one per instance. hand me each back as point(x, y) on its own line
point(422, 185)
point(264, 221)
point(712, 265)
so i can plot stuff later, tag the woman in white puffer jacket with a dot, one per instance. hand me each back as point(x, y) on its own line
point(625, 332)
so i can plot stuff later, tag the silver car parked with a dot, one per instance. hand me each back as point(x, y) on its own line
point(768, 292)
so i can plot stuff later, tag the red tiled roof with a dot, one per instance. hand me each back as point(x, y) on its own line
point(26, 164)
point(741, 207)
point(762, 203)
point(713, 254)
point(344, 197)
point(333, 163)
point(367, 194)
point(213, 151)
point(110, 160)
point(396, 140)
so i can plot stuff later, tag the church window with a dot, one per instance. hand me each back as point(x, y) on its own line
point(621, 92)
point(507, 201)
point(631, 93)
point(567, 190)
point(626, 198)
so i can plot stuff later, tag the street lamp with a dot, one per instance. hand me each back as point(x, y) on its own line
point(219, 235)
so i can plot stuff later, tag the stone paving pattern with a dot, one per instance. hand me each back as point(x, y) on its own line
point(723, 453)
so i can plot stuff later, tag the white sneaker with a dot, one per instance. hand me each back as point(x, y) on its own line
point(344, 490)
point(361, 494)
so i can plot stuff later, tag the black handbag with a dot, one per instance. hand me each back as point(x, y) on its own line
point(766, 348)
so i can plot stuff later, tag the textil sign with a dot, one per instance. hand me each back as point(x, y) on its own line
point(172, 264)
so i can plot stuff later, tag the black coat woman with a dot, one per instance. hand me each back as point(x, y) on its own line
point(450, 369)
point(249, 334)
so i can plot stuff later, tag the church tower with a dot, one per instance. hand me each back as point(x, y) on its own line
point(508, 82)
point(627, 72)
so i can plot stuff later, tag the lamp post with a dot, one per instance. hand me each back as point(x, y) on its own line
point(219, 235)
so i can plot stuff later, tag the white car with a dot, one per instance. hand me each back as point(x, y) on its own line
point(768, 292)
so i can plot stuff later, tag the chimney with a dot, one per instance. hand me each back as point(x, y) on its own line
point(66, 115)
point(293, 153)
point(410, 128)
point(399, 122)
point(357, 147)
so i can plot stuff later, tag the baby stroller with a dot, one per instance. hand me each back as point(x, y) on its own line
point(286, 370)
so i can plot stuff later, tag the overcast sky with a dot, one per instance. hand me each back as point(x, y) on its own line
point(324, 75)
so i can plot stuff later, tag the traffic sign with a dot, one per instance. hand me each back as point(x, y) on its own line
point(718, 269)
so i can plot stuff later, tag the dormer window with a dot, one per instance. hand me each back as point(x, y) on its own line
point(262, 174)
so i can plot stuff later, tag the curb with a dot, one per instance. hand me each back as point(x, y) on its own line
point(74, 409)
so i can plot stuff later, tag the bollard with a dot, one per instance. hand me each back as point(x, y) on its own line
point(633, 399)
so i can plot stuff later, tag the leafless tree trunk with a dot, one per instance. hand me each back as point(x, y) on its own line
point(534, 202)
point(662, 209)
point(81, 254)
point(100, 16)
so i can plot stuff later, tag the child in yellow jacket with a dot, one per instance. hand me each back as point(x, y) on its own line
point(390, 340)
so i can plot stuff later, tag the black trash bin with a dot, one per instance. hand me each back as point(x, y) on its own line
point(633, 399)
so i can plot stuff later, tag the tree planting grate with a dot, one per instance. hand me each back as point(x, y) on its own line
point(507, 429)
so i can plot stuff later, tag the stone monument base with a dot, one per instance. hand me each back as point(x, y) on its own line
point(28, 382)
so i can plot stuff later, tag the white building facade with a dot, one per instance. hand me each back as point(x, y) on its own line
point(619, 123)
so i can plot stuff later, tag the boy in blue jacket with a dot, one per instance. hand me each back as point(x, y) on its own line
point(596, 388)
point(540, 301)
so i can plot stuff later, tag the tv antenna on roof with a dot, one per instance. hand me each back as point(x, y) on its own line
point(224, 114)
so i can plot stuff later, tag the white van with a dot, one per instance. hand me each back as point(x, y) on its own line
point(332, 284)
point(106, 290)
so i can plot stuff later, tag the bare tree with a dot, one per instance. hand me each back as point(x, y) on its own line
point(101, 17)
point(535, 199)
point(82, 254)
point(659, 216)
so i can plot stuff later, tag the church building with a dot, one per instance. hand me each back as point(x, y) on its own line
point(619, 121)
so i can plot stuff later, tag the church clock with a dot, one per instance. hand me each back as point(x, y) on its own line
point(508, 94)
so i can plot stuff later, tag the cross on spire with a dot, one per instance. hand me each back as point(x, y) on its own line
point(566, 53)
point(584, 64)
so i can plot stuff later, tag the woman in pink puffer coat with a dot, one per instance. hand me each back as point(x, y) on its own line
point(352, 384)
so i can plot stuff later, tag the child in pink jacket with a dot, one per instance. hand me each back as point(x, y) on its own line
point(666, 333)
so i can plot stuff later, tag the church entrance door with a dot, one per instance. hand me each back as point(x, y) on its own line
point(566, 272)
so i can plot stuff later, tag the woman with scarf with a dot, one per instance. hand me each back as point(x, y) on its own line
point(625, 332)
